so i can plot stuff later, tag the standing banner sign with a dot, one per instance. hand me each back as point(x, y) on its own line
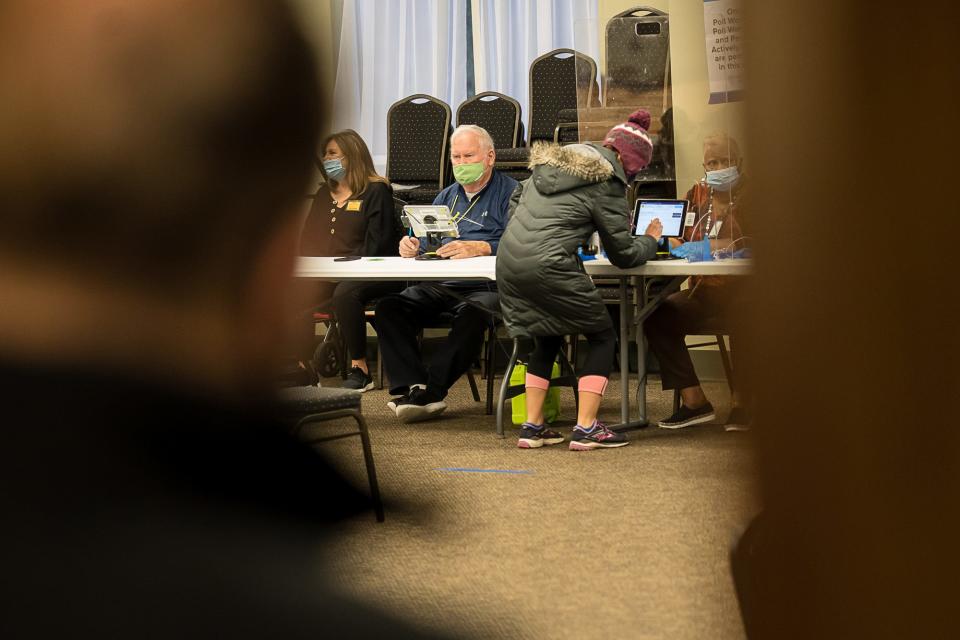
point(722, 26)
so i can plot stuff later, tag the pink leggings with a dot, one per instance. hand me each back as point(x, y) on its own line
point(593, 374)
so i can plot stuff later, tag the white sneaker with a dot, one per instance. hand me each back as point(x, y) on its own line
point(418, 406)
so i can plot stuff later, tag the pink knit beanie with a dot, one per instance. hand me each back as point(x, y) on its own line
point(631, 141)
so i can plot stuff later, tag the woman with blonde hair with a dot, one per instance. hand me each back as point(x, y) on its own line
point(352, 215)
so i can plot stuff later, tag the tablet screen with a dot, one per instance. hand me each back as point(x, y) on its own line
point(670, 212)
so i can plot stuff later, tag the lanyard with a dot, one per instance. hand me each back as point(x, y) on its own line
point(458, 218)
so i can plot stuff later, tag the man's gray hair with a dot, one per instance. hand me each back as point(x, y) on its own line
point(486, 142)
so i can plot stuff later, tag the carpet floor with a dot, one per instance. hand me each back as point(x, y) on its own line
point(483, 539)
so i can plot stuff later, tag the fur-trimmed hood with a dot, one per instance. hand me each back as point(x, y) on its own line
point(557, 169)
point(574, 191)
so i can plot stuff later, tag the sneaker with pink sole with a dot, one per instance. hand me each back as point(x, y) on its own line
point(597, 436)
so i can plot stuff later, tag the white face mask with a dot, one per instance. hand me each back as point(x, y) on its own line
point(723, 179)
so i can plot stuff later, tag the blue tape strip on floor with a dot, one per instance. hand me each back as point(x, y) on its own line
point(468, 470)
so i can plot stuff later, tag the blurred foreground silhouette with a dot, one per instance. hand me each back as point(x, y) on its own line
point(153, 157)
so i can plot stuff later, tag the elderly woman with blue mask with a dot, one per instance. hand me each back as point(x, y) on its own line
point(718, 221)
point(717, 214)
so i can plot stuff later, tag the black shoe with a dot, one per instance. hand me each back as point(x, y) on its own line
point(738, 420)
point(357, 379)
point(534, 436)
point(420, 405)
point(686, 417)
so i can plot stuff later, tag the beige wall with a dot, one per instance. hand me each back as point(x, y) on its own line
point(693, 116)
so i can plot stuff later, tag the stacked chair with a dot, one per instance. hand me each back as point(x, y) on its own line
point(418, 135)
point(499, 114)
point(561, 81)
point(638, 59)
point(419, 126)
point(638, 75)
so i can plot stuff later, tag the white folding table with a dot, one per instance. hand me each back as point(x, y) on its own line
point(484, 269)
point(395, 268)
point(677, 271)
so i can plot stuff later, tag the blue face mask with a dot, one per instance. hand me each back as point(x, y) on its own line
point(334, 169)
point(723, 179)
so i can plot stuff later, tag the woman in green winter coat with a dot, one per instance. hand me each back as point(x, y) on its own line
point(544, 292)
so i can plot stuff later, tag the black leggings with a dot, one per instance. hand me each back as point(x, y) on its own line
point(347, 301)
point(599, 360)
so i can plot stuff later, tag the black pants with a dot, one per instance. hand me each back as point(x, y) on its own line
point(347, 301)
point(599, 359)
point(680, 315)
point(401, 317)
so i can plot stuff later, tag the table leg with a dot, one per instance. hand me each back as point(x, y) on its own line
point(625, 422)
point(647, 306)
point(624, 356)
point(502, 397)
point(641, 353)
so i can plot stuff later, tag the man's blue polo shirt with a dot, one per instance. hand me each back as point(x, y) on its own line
point(486, 214)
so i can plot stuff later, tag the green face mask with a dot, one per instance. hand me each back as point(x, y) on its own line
point(468, 173)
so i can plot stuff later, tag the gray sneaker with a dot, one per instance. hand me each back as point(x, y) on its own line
point(534, 436)
point(359, 380)
point(598, 436)
point(419, 405)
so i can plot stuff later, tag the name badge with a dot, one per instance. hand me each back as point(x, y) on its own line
point(715, 232)
point(354, 205)
point(691, 217)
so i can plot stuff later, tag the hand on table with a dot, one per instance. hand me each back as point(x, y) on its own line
point(464, 249)
point(409, 247)
point(655, 229)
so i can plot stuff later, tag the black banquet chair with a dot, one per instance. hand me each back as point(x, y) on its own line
point(561, 81)
point(310, 405)
point(499, 114)
point(638, 60)
point(418, 134)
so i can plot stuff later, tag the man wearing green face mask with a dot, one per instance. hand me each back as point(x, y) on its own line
point(469, 173)
point(472, 156)
point(479, 202)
